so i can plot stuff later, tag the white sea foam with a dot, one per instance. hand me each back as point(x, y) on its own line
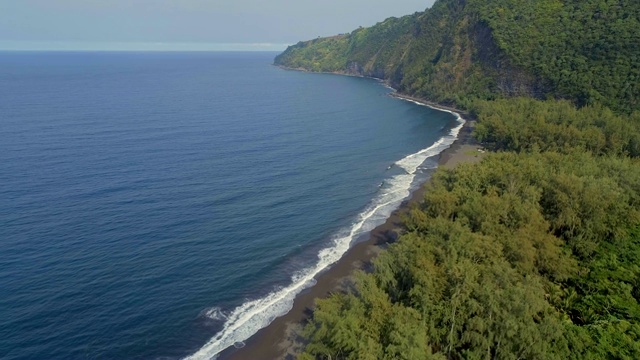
point(254, 315)
point(214, 313)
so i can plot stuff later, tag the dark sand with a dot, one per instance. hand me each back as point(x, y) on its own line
point(280, 339)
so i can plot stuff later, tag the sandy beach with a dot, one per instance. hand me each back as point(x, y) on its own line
point(280, 339)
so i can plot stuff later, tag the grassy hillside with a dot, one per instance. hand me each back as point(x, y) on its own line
point(582, 50)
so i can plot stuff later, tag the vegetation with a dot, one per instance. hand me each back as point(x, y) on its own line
point(526, 125)
point(533, 253)
point(582, 50)
point(588, 49)
point(529, 254)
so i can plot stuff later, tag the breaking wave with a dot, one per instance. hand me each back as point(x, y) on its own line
point(245, 320)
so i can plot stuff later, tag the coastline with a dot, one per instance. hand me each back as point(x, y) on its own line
point(280, 340)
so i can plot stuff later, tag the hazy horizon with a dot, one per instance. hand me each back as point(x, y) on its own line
point(136, 46)
point(190, 25)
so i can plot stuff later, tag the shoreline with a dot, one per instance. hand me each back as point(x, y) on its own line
point(280, 339)
point(394, 93)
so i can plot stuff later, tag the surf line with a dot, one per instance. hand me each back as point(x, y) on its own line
point(247, 319)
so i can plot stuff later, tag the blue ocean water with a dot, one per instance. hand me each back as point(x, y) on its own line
point(157, 205)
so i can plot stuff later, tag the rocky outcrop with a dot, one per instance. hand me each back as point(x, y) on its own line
point(510, 80)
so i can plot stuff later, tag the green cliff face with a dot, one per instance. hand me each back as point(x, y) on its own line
point(586, 51)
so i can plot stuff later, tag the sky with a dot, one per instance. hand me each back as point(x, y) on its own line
point(185, 24)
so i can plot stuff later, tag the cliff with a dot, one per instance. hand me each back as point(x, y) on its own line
point(459, 50)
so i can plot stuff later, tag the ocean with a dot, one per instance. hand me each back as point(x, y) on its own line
point(165, 205)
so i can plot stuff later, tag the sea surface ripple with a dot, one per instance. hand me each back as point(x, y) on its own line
point(165, 205)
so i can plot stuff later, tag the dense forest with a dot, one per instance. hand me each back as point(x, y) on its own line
point(533, 253)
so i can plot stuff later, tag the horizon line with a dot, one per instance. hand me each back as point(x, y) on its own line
point(137, 46)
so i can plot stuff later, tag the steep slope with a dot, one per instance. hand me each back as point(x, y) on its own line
point(585, 51)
